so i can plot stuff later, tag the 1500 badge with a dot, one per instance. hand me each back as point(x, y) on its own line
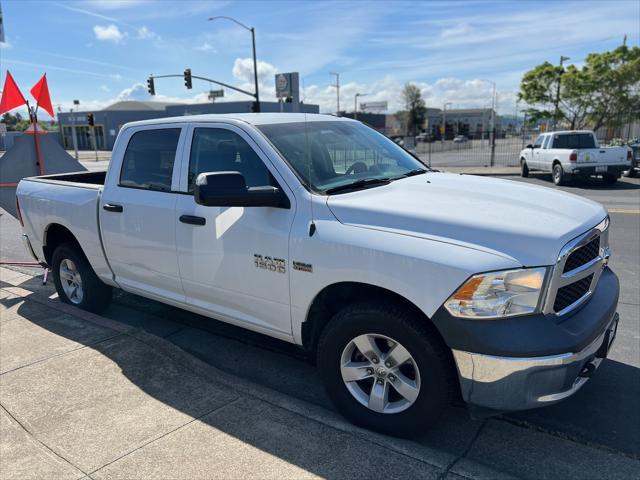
point(271, 264)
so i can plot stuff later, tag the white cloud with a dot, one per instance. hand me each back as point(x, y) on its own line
point(104, 88)
point(145, 34)
point(243, 69)
point(459, 30)
point(109, 33)
point(205, 47)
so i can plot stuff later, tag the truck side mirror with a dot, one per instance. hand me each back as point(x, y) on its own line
point(229, 189)
point(529, 146)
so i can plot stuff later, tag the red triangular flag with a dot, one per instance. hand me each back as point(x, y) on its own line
point(40, 92)
point(11, 95)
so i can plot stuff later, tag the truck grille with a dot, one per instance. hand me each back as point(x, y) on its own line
point(573, 292)
point(582, 255)
point(578, 270)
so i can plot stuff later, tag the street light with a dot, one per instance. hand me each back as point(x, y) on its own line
point(444, 120)
point(337, 85)
point(557, 102)
point(355, 104)
point(253, 42)
point(493, 111)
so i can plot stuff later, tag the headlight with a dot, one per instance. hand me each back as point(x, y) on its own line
point(499, 294)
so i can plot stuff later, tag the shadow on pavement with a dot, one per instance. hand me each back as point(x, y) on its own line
point(603, 412)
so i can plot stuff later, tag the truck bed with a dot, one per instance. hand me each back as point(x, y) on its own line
point(96, 178)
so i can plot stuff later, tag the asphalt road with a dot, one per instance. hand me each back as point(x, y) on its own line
point(604, 413)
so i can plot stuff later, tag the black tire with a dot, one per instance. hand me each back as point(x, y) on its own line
point(558, 175)
point(524, 168)
point(96, 296)
point(432, 360)
point(631, 173)
point(609, 179)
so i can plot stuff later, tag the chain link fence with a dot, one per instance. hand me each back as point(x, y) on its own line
point(504, 151)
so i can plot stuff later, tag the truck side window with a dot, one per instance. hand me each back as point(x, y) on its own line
point(220, 150)
point(547, 139)
point(148, 160)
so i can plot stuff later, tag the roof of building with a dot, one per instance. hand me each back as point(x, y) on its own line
point(135, 105)
point(251, 118)
point(466, 111)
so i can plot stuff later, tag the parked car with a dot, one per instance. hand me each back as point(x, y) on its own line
point(635, 161)
point(425, 137)
point(409, 287)
point(574, 154)
point(460, 139)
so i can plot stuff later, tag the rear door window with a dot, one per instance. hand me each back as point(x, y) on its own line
point(149, 159)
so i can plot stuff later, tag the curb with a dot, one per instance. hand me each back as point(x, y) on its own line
point(444, 461)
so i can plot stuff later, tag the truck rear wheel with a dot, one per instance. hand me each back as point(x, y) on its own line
point(558, 174)
point(609, 179)
point(76, 282)
point(384, 369)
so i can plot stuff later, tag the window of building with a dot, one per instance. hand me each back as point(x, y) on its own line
point(149, 158)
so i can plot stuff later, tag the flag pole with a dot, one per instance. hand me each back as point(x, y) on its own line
point(34, 122)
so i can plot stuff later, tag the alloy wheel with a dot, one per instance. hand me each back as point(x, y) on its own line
point(380, 373)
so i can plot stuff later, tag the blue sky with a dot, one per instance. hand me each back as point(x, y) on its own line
point(101, 51)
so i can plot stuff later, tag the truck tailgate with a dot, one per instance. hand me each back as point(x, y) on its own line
point(603, 156)
point(71, 205)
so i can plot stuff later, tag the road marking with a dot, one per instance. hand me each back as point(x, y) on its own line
point(625, 210)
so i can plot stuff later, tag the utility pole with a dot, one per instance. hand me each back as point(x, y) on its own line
point(557, 102)
point(73, 129)
point(355, 104)
point(444, 121)
point(337, 85)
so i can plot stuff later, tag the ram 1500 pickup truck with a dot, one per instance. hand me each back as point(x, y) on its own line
point(574, 154)
point(409, 287)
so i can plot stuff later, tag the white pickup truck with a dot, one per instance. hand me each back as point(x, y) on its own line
point(574, 154)
point(409, 286)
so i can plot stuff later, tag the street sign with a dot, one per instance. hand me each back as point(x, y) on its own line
point(283, 85)
point(380, 106)
point(215, 94)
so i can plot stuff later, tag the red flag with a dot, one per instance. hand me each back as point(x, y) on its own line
point(11, 95)
point(40, 92)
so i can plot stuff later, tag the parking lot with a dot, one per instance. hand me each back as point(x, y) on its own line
point(594, 434)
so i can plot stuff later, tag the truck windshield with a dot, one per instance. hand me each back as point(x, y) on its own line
point(574, 141)
point(330, 156)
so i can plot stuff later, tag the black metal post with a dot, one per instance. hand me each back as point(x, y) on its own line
point(255, 67)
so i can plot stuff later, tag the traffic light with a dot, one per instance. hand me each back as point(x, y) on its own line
point(90, 119)
point(187, 78)
point(151, 88)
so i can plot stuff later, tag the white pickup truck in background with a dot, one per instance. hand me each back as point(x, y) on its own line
point(572, 154)
point(410, 287)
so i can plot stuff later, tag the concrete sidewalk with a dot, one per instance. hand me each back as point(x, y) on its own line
point(84, 396)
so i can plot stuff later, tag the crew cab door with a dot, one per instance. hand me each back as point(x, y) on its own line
point(234, 261)
point(137, 208)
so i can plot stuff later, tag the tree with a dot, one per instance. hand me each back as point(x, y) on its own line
point(605, 91)
point(415, 108)
point(15, 123)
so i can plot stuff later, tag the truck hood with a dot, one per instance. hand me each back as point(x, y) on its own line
point(523, 222)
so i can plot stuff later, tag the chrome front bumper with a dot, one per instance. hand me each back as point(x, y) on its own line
point(512, 383)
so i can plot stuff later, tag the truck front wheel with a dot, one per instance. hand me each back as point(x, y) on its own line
point(384, 369)
point(76, 282)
